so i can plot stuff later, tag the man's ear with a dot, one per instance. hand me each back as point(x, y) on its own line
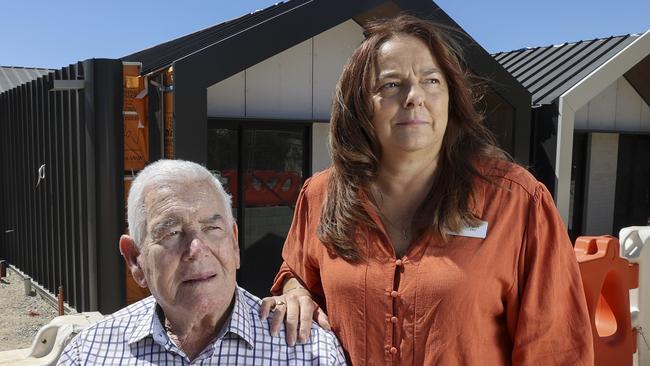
point(235, 241)
point(131, 253)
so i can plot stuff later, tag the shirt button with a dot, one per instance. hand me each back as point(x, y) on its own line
point(398, 262)
point(393, 350)
point(393, 320)
point(394, 294)
point(387, 347)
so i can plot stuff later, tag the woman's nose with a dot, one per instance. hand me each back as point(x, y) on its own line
point(414, 96)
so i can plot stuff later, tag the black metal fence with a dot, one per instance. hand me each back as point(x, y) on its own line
point(62, 182)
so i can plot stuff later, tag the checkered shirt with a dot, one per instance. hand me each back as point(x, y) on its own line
point(135, 336)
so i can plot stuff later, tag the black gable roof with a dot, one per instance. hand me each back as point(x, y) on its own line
point(164, 54)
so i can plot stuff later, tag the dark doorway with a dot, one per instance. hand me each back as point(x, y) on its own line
point(632, 205)
point(577, 190)
point(262, 165)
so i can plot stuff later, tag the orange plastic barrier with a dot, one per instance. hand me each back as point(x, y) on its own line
point(607, 279)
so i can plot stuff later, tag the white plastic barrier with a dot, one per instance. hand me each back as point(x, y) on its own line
point(635, 241)
point(50, 341)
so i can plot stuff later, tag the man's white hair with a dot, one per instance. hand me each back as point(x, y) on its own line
point(164, 172)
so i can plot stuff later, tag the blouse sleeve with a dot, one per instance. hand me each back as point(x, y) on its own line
point(300, 251)
point(553, 326)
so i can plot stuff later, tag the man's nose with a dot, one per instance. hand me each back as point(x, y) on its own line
point(197, 247)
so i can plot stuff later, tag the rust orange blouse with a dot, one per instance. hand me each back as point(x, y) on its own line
point(515, 297)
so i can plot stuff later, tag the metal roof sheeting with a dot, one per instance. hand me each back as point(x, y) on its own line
point(163, 55)
point(11, 76)
point(550, 71)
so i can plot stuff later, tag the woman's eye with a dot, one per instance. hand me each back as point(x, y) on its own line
point(390, 85)
point(432, 81)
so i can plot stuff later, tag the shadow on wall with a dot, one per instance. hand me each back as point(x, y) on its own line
point(260, 263)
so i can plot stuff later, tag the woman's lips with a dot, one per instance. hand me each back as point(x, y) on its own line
point(411, 122)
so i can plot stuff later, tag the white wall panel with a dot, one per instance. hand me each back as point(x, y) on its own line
point(600, 189)
point(332, 49)
point(297, 83)
point(226, 98)
point(582, 118)
point(617, 108)
point(281, 86)
point(602, 109)
point(320, 149)
point(628, 107)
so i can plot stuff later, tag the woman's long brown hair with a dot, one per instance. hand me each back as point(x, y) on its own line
point(356, 152)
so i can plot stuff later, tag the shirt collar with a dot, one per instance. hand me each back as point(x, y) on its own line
point(238, 323)
point(148, 323)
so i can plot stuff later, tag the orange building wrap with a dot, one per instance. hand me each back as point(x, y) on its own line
point(168, 102)
point(136, 134)
point(607, 279)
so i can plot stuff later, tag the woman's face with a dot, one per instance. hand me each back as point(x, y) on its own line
point(410, 98)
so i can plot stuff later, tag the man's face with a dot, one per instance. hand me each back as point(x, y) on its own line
point(190, 254)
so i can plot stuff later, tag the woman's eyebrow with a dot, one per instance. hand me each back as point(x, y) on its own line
point(432, 70)
point(388, 74)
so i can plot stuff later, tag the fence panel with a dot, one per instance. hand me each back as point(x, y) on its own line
point(61, 185)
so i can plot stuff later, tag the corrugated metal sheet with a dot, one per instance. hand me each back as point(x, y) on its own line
point(13, 76)
point(550, 71)
point(165, 54)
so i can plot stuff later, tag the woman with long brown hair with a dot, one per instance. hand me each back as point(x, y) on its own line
point(423, 242)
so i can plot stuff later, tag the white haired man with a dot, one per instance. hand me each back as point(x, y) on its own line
point(183, 247)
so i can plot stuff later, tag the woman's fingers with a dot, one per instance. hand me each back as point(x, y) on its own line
point(293, 318)
point(268, 303)
point(321, 319)
point(279, 311)
point(307, 308)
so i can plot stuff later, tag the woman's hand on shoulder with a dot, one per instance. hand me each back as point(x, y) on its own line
point(297, 309)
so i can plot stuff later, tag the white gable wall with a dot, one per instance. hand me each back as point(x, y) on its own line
point(296, 84)
point(600, 190)
point(319, 148)
point(617, 108)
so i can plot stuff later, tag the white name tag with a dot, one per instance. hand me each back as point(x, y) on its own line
point(479, 231)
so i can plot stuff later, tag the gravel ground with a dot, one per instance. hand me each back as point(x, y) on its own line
point(20, 316)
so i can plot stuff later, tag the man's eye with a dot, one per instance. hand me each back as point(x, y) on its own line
point(172, 233)
point(212, 228)
point(432, 81)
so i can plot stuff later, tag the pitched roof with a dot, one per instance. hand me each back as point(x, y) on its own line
point(12, 76)
point(550, 71)
point(165, 54)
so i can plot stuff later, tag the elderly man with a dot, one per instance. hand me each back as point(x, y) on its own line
point(183, 247)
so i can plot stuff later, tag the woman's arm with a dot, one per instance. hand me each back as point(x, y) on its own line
point(552, 323)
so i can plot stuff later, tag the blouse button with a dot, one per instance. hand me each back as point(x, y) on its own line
point(394, 294)
point(393, 350)
point(393, 320)
point(398, 262)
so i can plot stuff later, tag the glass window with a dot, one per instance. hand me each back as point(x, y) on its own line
point(263, 168)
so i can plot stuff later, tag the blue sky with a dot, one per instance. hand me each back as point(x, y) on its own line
point(40, 33)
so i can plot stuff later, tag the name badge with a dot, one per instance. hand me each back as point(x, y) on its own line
point(479, 231)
